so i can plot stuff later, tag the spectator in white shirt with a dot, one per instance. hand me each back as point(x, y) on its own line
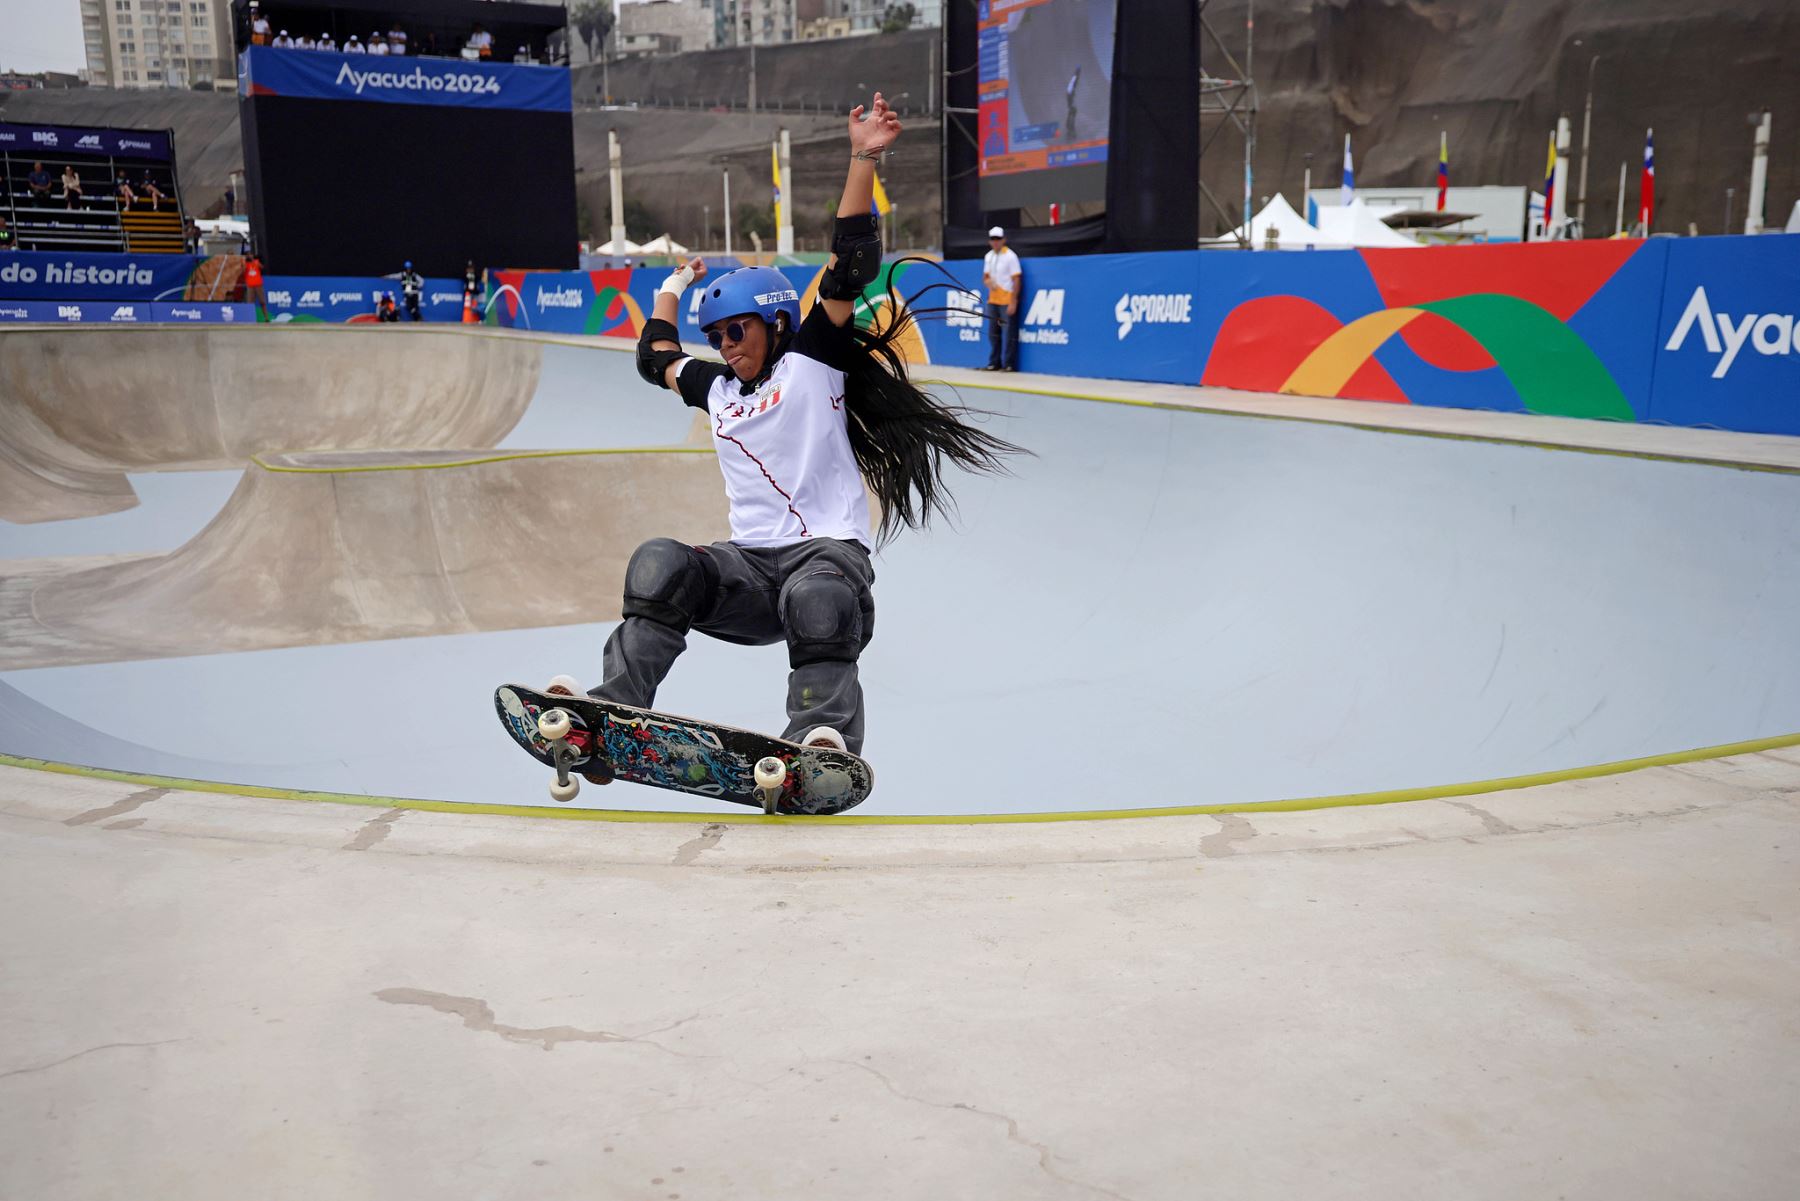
point(481, 41)
point(1003, 278)
point(396, 40)
point(259, 30)
point(327, 42)
point(304, 43)
point(353, 46)
point(284, 41)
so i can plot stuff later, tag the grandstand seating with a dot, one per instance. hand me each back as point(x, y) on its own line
point(99, 221)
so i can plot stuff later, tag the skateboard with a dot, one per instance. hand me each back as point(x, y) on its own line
point(685, 754)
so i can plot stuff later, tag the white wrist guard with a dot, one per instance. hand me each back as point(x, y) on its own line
point(678, 282)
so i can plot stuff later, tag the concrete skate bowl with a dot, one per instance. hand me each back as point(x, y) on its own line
point(81, 407)
point(1161, 610)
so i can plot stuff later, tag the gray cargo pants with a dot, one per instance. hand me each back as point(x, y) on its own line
point(815, 595)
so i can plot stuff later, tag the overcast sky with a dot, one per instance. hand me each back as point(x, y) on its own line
point(41, 35)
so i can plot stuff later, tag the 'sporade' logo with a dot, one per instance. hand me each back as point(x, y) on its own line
point(1168, 308)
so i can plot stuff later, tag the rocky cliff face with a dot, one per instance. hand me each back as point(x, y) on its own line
point(1496, 74)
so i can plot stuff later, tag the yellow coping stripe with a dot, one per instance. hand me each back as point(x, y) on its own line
point(508, 457)
point(1294, 805)
point(1374, 427)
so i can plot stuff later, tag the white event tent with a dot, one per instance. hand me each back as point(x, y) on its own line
point(1291, 230)
point(1355, 224)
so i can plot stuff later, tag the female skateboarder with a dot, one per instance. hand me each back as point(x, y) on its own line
point(803, 412)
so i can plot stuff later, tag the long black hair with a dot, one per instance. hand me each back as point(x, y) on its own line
point(903, 436)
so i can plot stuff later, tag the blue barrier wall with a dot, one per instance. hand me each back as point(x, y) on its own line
point(308, 298)
point(126, 312)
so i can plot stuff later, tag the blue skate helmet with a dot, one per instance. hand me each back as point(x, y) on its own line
point(760, 290)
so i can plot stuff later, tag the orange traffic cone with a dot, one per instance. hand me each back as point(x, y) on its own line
point(470, 317)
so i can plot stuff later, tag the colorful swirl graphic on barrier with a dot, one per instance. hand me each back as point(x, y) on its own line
point(1548, 365)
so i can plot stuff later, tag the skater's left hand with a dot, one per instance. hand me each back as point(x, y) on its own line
point(878, 132)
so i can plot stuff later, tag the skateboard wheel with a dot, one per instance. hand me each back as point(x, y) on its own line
point(564, 792)
point(770, 772)
point(553, 724)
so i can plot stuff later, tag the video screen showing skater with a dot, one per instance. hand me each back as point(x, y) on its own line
point(1045, 85)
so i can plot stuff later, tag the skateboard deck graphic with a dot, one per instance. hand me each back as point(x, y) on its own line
point(684, 754)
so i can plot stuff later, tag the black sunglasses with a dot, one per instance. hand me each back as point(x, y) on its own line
point(734, 331)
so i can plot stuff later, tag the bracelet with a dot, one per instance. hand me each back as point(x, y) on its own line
point(868, 156)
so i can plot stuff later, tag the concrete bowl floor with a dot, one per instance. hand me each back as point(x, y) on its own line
point(1585, 989)
point(1158, 608)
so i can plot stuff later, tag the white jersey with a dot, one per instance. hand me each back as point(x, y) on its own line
point(784, 450)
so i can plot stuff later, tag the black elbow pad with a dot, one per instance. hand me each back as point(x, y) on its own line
point(858, 250)
point(653, 364)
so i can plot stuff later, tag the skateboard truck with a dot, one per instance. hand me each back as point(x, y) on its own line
point(554, 725)
point(771, 774)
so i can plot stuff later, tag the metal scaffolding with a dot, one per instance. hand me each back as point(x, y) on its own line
point(1231, 104)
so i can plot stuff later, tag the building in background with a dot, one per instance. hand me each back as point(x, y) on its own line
point(666, 26)
point(158, 43)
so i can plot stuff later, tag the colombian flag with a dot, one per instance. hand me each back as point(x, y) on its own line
point(1443, 170)
point(878, 203)
point(775, 176)
point(1550, 184)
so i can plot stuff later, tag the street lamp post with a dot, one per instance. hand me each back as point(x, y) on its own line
point(1587, 125)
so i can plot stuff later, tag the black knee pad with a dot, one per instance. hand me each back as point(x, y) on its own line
point(668, 582)
point(823, 616)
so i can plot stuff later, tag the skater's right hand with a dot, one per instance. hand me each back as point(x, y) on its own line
point(697, 266)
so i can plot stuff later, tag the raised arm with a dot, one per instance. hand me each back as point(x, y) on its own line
point(856, 244)
point(659, 345)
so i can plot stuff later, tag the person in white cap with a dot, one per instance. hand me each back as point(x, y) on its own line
point(1003, 278)
point(377, 43)
point(284, 41)
point(353, 46)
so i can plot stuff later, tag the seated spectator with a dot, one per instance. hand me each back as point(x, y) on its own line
point(522, 54)
point(37, 184)
point(126, 196)
point(147, 187)
point(396, 40)
point(71, 187)
point(259, 28)
point(6, 237)
point(377, 43)
point(327, 42)
point(284, 41)
point(304, 43)
point(191, 236)
point(353, 46)
point(387, 310)
point(481, 41)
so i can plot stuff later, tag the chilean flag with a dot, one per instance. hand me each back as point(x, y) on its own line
point(1443, 170)
point(1647, 190)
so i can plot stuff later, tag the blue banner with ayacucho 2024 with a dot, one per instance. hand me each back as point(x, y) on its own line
point(330, 75)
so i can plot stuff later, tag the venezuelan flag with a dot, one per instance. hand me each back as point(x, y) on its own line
point(1443, 170)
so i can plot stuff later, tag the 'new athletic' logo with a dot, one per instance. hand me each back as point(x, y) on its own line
point(1043, 320)
point(1046, 307)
